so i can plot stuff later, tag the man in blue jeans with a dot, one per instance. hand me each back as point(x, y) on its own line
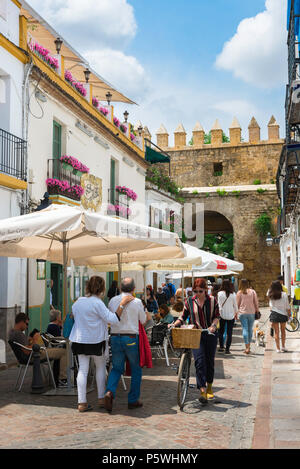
point(125, 345)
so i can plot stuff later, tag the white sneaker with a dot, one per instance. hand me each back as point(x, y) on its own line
point(283, 349)
point(278, 350)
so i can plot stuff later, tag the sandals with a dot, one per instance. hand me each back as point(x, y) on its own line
point(84, 407)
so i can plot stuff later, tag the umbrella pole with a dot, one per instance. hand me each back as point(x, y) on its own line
point(145, 289)
point(120, 270)
point(65, 278)
point(182, 285)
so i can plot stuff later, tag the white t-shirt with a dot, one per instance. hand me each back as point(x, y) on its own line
point(227, 307)
point(131, 315)
point(91, 318)
point(280, 306)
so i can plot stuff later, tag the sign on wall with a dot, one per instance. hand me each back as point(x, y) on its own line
point(92, 197)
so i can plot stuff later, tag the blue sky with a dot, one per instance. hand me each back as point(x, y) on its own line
point(183, 61)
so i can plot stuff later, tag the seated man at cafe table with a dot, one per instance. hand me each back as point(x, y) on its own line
point(17, 335)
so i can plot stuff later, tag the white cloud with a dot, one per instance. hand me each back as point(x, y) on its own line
point(122, 70)
point(235, 107)
point(90, 23)
point(257, 52)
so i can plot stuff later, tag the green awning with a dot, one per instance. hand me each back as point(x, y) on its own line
point(153, 156)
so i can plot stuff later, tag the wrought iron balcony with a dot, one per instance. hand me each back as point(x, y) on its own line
point(288, 182)
point(292, 104)
point(118, 204)
point(56, 169)
point(13, 155)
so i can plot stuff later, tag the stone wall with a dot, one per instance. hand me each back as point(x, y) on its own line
point(241, 165)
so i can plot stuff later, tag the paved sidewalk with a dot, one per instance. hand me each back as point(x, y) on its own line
point(38, 421)
point(277, 423)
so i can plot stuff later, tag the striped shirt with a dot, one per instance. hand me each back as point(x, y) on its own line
point(198, 315)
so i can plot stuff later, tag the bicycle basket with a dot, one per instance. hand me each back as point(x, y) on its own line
point(158, 334)
point(186, 338)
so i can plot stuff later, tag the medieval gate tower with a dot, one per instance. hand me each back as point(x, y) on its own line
point(236, 182)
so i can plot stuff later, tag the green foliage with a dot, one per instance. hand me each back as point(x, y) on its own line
point(261, 191)
point(191, 142)
point(222, 192)
point(207, 194)
point(236, 193)
point(162, 181)
point(272, 181)
point(220, 245)
point(218, 173)
point(263, 224)
point(257, 182)
point(195, 192)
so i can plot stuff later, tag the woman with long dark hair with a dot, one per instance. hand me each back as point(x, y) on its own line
point(203, 312)
point(247, 303)
point(228, 311)
point(280, 312)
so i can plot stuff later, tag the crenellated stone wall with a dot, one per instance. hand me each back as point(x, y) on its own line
point(218, 163)
point(235, 179)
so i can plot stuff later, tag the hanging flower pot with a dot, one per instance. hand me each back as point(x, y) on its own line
point(67, 166)
point(76, 172)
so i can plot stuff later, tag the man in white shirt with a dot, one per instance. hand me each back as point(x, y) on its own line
point(125, 345)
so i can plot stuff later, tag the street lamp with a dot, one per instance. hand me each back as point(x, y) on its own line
point(87, 74)
point(58, 43)
point(108, 97)
point(269, 240)
point(140, 130)
point(126, 114)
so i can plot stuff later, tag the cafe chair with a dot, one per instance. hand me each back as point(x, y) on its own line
point(24, 361)
point(159, 341)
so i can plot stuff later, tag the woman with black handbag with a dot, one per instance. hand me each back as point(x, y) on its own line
point(280, 313)
point(228, 311)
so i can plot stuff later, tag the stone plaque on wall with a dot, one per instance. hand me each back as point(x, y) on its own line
point(92, 197)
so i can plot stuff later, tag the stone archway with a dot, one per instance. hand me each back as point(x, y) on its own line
point(238, 213)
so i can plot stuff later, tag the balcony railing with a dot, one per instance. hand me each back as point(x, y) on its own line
point(57, 170)
point(13, 155)
point(118, 204)
point(288, 182)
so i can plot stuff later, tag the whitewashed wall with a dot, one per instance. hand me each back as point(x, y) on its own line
point(79, 145)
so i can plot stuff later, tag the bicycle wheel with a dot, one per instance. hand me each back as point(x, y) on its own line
point(292, 325)
point(183, 378)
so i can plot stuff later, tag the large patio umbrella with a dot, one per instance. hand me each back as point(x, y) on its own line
point(192, 259)
point(62, 233)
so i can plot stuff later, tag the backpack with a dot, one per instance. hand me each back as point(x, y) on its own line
point(172, 289)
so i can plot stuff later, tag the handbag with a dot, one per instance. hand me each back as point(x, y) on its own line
point(68, 324)
point(257, 315)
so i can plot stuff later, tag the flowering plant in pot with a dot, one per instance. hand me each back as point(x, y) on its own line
point(44, 54)
point(76, 84)
point(95, 102)
point(123, 128)
point(71, 163)
point(63, 187)
point(117, 122)
point(118, 210)
point(126, 191)
point(103, 111)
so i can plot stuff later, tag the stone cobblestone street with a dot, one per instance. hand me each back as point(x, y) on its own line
point(53, 421)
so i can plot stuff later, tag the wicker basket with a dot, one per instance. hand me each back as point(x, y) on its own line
point(186, 338)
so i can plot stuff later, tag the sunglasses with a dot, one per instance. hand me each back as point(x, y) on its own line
point(199, 291)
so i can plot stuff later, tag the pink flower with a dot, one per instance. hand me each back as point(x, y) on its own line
point(103, 110)
point(116, 122)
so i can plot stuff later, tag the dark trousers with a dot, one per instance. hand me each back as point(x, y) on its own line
point(204, 358)
point(230, 324)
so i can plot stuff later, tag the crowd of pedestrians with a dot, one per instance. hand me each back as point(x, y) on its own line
point(214, 308)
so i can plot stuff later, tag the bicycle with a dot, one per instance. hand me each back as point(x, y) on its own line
point(183, 380)
point(292, 324)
